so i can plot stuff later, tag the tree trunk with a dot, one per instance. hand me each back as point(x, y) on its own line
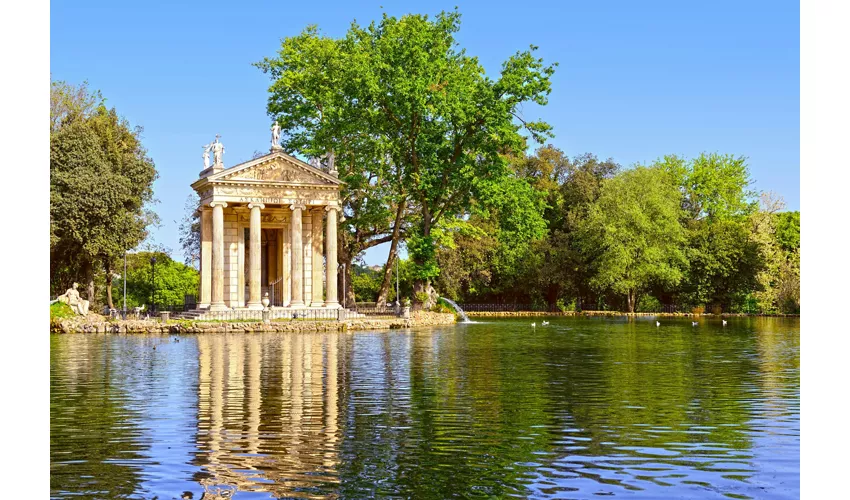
point(388, 269)
point(108, 269)
point(420, 286)
point(88, 270)
point(344, 258)
point(630, 300)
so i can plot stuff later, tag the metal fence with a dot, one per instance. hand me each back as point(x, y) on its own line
point(277, 315)
point(374, 310)
point(507, 308)
point(664, 308)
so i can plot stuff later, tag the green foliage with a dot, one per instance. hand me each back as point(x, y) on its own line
point(421, 297)
point(432, 151)
point(100, 181)
point(713, 186)
point(633, 231)
point(366, 282)
point(400, 99)
point(421, 251)
point(787, 226)
point(167, 282)
point(441, 306)
point(60, 310)
point(190, 230)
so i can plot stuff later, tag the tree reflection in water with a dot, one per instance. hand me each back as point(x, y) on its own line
point(581, 408)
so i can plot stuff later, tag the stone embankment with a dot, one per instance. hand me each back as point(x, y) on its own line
point(94, 323)
point(521, 314)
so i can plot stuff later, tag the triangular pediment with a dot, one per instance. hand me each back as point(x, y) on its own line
point(277, 167)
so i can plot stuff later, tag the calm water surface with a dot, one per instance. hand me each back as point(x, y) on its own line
point(582, 408)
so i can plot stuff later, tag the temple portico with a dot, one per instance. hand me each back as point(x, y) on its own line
point(268, 226)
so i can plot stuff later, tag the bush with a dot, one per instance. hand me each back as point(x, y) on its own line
point(443, 307)
point(648, 303)
point(60, 310)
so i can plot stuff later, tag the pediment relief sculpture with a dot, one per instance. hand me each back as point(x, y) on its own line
point(276, 172)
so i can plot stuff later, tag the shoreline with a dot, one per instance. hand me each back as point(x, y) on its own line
point(520, 314)
point(95, 323)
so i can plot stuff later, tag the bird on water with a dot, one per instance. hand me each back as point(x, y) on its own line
point(533, 325)
point(545, 323)
point(657, 323)
point(693, 323)
point(724, 322)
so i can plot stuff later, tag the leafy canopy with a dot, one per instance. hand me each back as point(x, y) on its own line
point(408, 115)
point(633, 231)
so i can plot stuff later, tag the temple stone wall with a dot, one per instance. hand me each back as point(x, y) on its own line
point(231, 260)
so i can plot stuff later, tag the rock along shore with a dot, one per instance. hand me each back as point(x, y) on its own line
point(520, 314)
point(94, 323)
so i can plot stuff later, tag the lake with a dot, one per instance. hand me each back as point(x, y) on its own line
point(582, 408)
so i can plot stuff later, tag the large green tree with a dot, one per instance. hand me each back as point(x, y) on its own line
point(412, 119)
point(634, 232)
point(101, 179)
point(716, 202)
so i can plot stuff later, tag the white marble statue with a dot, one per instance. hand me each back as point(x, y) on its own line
point(275, 136)
point(218, 151)
point(331, 160)
point(316, 162)
point(73, 299)
point(207, 149)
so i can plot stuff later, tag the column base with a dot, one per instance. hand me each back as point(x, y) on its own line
point(256, 306)
point(219, 307)
point(297, 304)
point(333, 305)
point(205, 305)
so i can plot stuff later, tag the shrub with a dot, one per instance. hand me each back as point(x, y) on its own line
point(60, 310)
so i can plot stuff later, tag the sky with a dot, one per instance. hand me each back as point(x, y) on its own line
point(635, 80)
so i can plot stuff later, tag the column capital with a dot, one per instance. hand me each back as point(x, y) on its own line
point(297, 206)
point(328, 208)
point(261, 206)
point(221, 204)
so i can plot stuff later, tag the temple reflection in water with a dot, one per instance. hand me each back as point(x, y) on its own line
point(268, 412)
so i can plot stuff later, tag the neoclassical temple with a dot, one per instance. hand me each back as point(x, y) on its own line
point(268, 225)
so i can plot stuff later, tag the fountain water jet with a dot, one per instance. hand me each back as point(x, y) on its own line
point(464, 318)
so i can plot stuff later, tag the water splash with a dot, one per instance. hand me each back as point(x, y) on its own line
point(464, 318)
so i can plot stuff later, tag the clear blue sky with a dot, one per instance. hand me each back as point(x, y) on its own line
point(636, 80)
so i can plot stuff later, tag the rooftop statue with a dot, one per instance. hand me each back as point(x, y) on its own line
point(276, 136)
point(207, 148)
point(218, 152)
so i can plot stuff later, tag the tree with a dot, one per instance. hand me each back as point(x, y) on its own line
point(313, 98)
point(167, 282)
point(716, 201)
point(633, 231)
point(763, 233)
point(190, 231)
point(100, 181)
point(399, 98)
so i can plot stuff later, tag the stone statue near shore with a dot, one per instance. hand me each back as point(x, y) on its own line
point(73, 299)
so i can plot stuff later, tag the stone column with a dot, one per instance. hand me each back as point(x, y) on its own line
point(206, 259)
point(255, 257)
point(217, 291)
point(297, 257)
point(332, 296)
point(317, 256)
